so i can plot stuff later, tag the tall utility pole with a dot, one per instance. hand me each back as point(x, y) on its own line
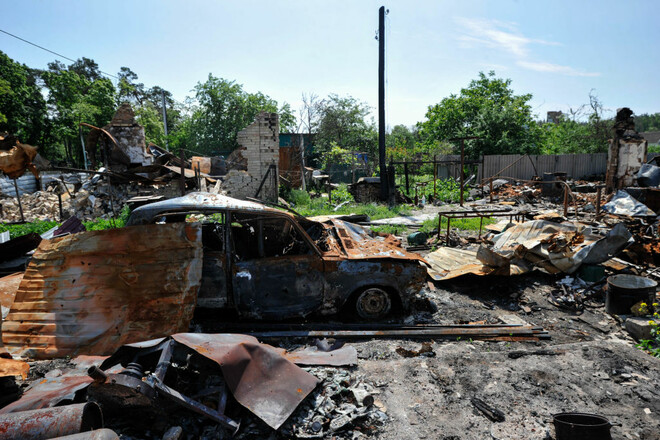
point(384, 181)
point(164, 118)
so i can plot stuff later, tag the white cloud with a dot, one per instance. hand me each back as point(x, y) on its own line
point(504, 36)
point(554, 68)
point(498, 35)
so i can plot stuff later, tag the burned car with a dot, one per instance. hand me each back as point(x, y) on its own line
point(268, 263)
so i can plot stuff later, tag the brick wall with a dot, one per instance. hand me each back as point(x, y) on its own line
point(260, 141)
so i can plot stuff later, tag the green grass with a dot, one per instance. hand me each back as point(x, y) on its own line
point(464, 224)
point(390, 229)
point(305, 205)
point(40, 227)
point(446, 190)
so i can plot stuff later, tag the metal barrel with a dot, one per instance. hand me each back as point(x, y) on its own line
point(47, 423)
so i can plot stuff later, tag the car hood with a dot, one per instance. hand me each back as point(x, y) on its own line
point(360, 243)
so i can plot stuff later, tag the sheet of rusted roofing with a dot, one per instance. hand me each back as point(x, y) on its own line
point(49, 392)
point(359, 244)
point(91, 292)
point(259, 377)
point(8, 287)
point(12, 367)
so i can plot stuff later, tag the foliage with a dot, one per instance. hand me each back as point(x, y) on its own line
point(488, 109)
point(223, 109)
point(304, 204)
point(341, 121)
point(335, 156)
point(446, 190)
point(17, 230)
point(652, 346)
point(464, 224)
point(647, 122)
point(22, 107)
point(572, 134)
point(341, 194)
point(39, 227)
point(390, 229)
point(147, 115)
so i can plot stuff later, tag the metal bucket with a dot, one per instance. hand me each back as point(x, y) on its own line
point(624, 291)
point(581, 426)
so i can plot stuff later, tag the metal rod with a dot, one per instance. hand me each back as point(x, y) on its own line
point(599, 191)
point(435, 177)
point(18, 198)
point(462, 165)
point(565, 201)
point(182, 181)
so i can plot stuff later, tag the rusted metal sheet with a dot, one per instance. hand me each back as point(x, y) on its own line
point(49, 392)
point(16, 160)
point(42, 424)
point(358, 243)
point(91, 292)
point(8, 287)
point(12, 367)
point(259, 378)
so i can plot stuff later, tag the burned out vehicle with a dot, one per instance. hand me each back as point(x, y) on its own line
point(271, 264)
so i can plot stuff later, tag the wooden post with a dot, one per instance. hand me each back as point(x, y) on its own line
point(598, 195)
point(461, 170)
point(18, 198)
point(59, 201)
point(182, 182)
point(330, 192)
point(439, 223)
point(405, 170)
point(565, 200)
point(435, 177)
point(491, 189)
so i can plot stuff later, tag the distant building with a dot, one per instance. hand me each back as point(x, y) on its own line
point(652, 137)
point(554, 117)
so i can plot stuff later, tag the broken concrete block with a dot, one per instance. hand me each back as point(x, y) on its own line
point(638, 327)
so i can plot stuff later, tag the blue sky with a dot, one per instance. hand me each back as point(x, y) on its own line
point(558, 50)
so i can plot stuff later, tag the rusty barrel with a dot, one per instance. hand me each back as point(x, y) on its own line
point(581, 426)
point(47, 423)
point(624, 291)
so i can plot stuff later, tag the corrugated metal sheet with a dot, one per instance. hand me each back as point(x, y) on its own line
point(576, 165)
point(91, 292)
point(27, 184)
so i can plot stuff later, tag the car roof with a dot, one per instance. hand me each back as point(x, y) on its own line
point(198, 202)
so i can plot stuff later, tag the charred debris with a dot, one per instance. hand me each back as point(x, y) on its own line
point(214, 314)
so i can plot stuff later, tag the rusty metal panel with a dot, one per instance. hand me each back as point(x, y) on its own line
point(91, 292)
point(11, 367)
point(49, 392)
point(8, 287)
point(358, 243)
point(259, 377)
point(50, 423)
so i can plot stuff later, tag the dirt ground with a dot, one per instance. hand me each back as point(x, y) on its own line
point(596, 369)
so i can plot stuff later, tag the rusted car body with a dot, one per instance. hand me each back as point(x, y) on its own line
point(269, 264)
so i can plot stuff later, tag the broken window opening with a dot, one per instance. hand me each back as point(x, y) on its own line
point(265, 237)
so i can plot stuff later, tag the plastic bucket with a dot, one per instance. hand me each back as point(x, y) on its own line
point(624, 291)
point(581, 426)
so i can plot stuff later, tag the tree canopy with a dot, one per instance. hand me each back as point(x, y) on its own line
point(488, 109)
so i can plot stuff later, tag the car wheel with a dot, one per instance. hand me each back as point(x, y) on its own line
point(373, 303)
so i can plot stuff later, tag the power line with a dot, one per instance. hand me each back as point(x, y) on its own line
point(48, 50)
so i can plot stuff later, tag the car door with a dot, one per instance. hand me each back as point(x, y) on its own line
point(276, 272)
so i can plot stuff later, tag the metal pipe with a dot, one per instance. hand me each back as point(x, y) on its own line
point(599, 191)
point(99, 434)
point(97, 374)
point(18, 197)
point(41, 424)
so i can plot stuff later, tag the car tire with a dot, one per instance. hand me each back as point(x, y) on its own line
point(373, 303)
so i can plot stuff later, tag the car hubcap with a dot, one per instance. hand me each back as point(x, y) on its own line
point(373, 303)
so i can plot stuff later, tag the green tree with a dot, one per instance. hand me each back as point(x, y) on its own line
point(223, 109)
point(489, 109)
point(76, 94)
point(647, 122)
point(23, 109)
point(342, 122)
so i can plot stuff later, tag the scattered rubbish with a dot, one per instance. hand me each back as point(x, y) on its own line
point(426, 351)
point(417, 238)
point(489, 411)
point(624, 204)
point(49, 423)
point(648, 175)
point(521, 353)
